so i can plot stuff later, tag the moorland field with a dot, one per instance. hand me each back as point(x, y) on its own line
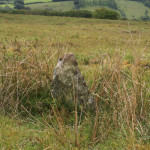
point(114, 58)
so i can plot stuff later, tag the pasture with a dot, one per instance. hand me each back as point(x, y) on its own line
point(132, 9)
point(114, 58)
point(36, 1)
point(9, 5)
point(59, 6)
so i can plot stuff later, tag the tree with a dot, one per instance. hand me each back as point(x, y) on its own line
point(19, 4)
point(77, 4)
point(146, 16)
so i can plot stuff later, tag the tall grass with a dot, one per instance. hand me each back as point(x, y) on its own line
point(121, 90)
point(25, 75)
point(119, 81)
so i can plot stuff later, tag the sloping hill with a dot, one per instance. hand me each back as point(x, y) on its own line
point(63, 6)
point(36, 1)
point(132, 9)
point(129, 9)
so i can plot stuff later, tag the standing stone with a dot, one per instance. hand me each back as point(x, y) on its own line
point(68, 83)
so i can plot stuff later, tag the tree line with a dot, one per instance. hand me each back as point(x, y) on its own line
point(101, 13)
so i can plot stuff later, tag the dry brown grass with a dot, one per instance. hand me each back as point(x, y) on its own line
point(115, 64)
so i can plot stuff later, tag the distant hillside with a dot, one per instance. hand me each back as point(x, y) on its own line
point(145, 2)
point(133, 9)
point(86, 3)
point(130, 9)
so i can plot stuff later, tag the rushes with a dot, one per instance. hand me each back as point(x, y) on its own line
point(121, 89)
point(24, 73)
point(119, 80)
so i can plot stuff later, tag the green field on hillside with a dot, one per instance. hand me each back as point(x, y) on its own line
point(114, 58)
point(5, 5)
point(67, 5)
point(132, 9)
point(36, 1)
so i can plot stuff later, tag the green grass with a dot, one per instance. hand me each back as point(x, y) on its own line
point(9, 5)
point(67, 5)
point(93, 8)
point(35, 134)
point(36, 1)
point(112, 55)
point(19, 134)
point(132, 9)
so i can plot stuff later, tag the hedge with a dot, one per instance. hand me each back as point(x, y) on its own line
point(101, 13)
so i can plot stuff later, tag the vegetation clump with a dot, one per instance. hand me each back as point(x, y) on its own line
point(101, 13)
point(79, 13)
point(19, 4)
point(104, 13)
